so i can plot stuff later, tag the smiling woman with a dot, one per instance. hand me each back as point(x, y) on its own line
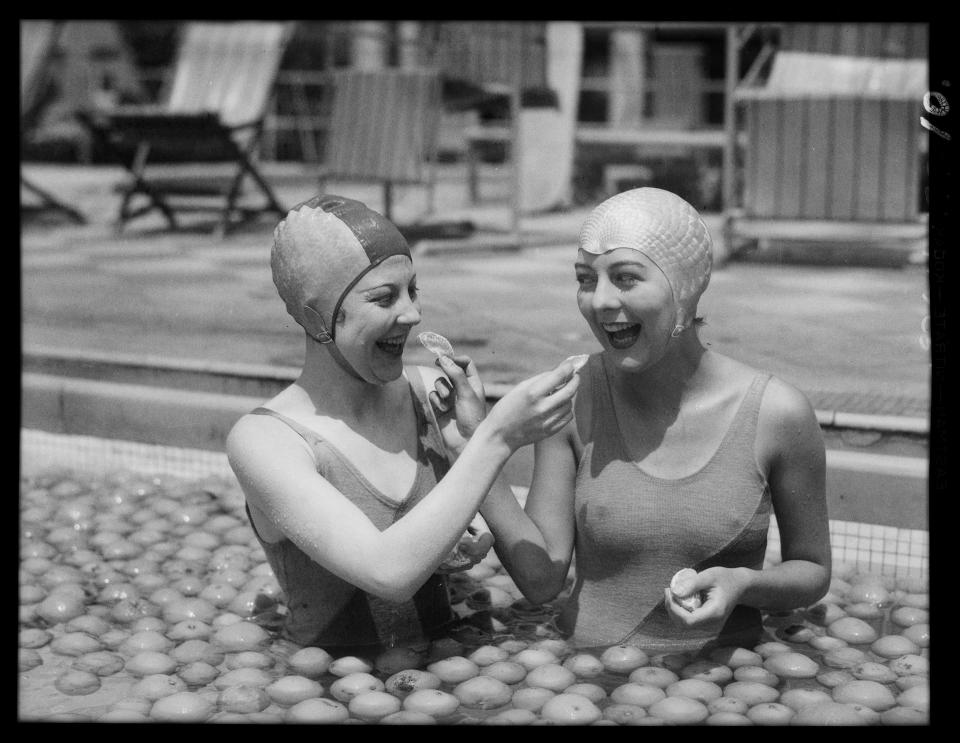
point(358, 492)
point(624, 276)
point(675, 460)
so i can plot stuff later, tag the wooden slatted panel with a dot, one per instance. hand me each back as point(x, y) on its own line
point(899, 191)
point(383, 124)
point(893, 194)
point(896, 41)
point(817, 159)
point(904, 40)
point(844, 173)
point(868, 145)
point(228, 68)
point(824, 36)
point(849, 40)
point(795, 36)
point(918, 35)
point(678, 91)
point(490, 51)
point(763, 157)
point(792, 168)
point(838, 158)
point(872, 40)
point(911, 173)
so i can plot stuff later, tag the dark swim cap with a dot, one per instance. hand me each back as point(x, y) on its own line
point(321, 249)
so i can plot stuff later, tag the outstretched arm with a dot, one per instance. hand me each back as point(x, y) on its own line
point(790, 447)
point(278, 478)
point(535, 542)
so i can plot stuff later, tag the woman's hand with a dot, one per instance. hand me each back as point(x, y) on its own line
point(470, 550)
point(535, 408)
point(720, 589)
point(464, 401)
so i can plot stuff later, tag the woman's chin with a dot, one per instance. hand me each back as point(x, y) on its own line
point(387, 371)
point(624, 362)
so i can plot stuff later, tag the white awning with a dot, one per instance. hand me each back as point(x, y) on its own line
point(810, 75)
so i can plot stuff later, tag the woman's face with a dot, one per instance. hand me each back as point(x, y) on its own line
point(628, 304)
point(377, 316)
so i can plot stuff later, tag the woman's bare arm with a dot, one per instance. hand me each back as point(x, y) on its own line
point(797, 478)
point(535, 542)
point(278, 477)
point(791, 444)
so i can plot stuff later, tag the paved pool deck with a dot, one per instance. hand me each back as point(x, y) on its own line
point(850, 332)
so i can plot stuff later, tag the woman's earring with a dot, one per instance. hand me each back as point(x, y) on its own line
point(677, 331)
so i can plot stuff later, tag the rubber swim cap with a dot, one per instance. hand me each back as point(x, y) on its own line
point(321, 249)
point(663, 227)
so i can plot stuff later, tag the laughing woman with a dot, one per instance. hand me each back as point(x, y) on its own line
point(676, 458)
point(349, 477)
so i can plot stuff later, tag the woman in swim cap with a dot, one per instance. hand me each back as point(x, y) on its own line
point(354, 488)
point(676, 459)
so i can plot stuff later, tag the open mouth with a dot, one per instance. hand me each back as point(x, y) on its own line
point(392, 346)
point(622, 334)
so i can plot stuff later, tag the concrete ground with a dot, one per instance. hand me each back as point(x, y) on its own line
point(849, 333)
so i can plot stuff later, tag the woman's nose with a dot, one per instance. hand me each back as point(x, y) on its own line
point(410, 312)
point(605, 295)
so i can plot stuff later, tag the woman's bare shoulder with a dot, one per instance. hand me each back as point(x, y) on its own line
point(784, 402)
point(787, 426)
point(784, 409)
point(781, 400)
point(262, 436)
point(255, 435)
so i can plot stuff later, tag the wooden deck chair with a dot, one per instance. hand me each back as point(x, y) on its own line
point(383, 127)
point(216, 102)
point(38, 41)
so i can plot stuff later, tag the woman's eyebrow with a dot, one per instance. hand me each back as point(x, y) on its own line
point(621, 264)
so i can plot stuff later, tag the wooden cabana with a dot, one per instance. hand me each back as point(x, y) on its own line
point(833, 152)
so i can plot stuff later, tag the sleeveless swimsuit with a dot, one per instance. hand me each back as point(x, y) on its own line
point(323, 610)
point(634, 531)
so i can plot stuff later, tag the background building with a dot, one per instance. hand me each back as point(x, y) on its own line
point(652, 100)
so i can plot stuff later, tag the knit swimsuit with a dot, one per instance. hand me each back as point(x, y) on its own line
point(326, 611)
point(634, 531)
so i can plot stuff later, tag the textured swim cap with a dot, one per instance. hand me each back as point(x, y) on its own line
point(663, 227)
point(321, 249)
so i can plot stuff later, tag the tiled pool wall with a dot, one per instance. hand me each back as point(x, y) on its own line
point(887, 550)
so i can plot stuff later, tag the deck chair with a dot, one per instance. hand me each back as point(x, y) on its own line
point(38, 41)
point(216, 102)
point(383, 128)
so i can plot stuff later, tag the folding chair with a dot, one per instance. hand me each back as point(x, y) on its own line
point(222, 83)
point(383, 127)
point(38, 41)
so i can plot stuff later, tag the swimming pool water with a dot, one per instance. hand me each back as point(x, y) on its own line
point(133, 542)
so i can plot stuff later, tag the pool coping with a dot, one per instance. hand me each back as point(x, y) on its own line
point(263, 381)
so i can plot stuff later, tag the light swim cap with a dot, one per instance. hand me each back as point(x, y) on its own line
point(321, 249)
point(663, 227)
